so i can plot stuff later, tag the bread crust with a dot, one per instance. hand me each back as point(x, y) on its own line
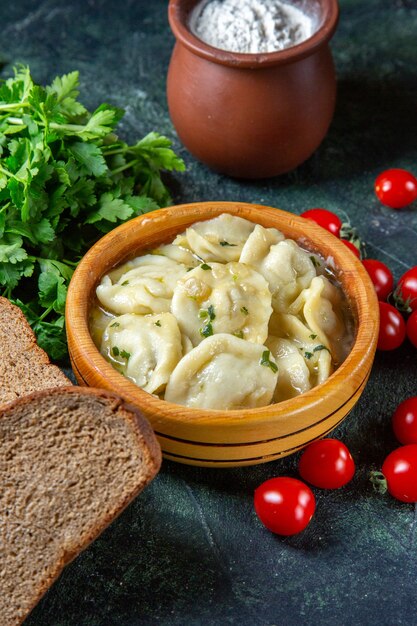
point(146, 440)
point(36, 355)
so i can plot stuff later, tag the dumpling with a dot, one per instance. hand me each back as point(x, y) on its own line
point(178, 254)
point(224, 372)
point(145, 348)
point(219, 240)
point(288, 270)
point(294, 375)
point(319, 305)
point(258, 244)
point(316, 355)
point(222, 298)
point(144, 285)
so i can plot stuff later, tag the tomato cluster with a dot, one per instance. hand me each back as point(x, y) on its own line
point(403, 299)
point(286, 505)
point(399, 470)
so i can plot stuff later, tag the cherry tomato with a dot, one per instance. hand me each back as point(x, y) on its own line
point(391, 327)
point(404, 421)
point(400, 471)
point(351, 247)
point(407, 286)
point(284, 505)
point(412, 329)
point(381, 277)
point(327, 463)
point(326, 219)
point(396, 188)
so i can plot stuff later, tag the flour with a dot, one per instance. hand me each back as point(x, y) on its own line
point(250, 26)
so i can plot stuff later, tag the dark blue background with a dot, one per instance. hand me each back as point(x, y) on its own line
point(190, 550)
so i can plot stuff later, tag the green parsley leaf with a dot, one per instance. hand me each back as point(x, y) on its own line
point(207, 330)
point(114, 325)
point(115, 351)
point(266, 361)
point(226, 243)
point(65, 179)
point(158, 323)
point(244, 310)
point(125, 355)
point(206, 267)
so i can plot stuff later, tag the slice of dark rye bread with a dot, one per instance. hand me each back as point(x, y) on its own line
point(71, 459)
point(24, 367)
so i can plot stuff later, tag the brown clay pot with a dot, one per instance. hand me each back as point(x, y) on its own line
point(252, 115)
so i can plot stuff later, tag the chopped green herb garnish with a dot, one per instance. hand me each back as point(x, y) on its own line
point(204, 266)
point(211, 312)
point(158, 323)
point(115, 351)
point(126, 282)
point(313, 336)
point(244, 310)
point(226, 243)
point(235, 276)
point(189, 269)
point(265, 360)
point(207, 330)
point(315, 261)
point(320, 347)
point(114, 325)
point(308, 355)
point(238, 333)
point(125, 355)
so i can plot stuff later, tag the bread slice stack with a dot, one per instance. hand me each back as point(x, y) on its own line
point(71, 459)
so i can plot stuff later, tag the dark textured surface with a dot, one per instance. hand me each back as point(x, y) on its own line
point(190, 550)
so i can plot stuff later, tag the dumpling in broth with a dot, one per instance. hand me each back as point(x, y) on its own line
point(219, 240)
point(287, 269)
point(294, 375)
point(224, 372)
point(144, 285)
point(222, 298)
point(145, 348)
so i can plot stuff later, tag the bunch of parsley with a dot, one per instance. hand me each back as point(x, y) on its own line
point(65, 179)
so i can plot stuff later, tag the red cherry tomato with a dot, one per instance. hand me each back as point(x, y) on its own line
point(351, 247)
point(407, 287)
point(404, 421)
point(284, 505)
point(391, 327)
point(327, 464)
point(381, 277)
point(412, 329)
point(396, 188)
point(400, 471)
point(326, 219)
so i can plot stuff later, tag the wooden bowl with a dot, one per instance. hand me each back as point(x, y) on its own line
point(234, 437)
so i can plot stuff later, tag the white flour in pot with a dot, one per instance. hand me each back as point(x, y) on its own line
point(250, 26)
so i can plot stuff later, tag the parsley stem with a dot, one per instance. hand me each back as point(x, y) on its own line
point(15, 120)
point(124, 167)
point(73, 127)
point(114, 151)
point(45, 313)
point(13, 105)
point(6, 172)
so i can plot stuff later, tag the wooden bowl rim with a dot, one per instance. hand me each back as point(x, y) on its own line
point(362, 297)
